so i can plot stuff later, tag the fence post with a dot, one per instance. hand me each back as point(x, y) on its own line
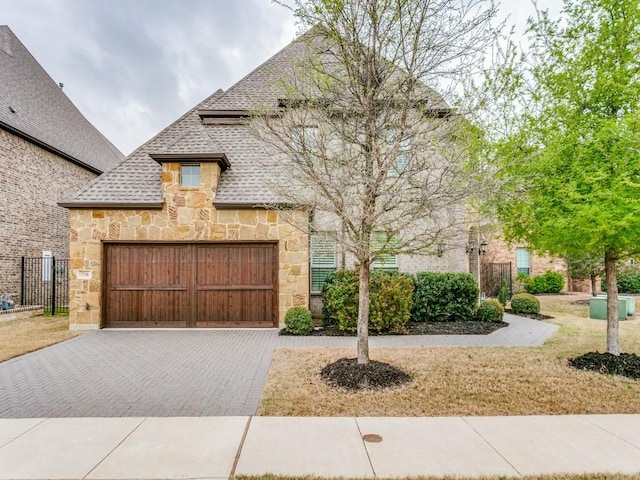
point(510, 280)
point(53, 286)
point(22, 281)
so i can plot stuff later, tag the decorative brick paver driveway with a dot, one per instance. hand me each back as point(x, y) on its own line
point(111, 373)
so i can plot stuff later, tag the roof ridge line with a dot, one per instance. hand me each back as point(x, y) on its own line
point(175, 122)
point(232, 87)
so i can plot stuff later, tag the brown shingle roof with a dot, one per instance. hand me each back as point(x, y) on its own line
point(137, 180)
point(34, 106)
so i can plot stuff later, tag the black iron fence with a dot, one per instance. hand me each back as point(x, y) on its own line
point(492, 276)
point(45, 281)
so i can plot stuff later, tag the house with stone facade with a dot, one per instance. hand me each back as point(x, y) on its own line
point(48, 150)
point(180, 234)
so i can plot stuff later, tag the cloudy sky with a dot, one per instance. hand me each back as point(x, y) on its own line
point(134, 66)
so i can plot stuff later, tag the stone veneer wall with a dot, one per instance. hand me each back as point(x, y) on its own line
point(187, 215)
point(33, 181)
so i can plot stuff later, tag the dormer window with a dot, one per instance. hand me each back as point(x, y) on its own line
point(190, 175)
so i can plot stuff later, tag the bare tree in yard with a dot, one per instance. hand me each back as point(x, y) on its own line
point(369, 141)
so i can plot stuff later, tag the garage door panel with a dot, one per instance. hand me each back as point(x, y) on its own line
point(235, 307)
point(177, 285)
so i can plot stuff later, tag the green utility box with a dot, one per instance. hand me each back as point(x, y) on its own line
point(631, 303)
point(598, 307)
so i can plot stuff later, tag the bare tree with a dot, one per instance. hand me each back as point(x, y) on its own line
point(367, 139)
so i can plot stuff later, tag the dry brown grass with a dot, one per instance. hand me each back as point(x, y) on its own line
point(588, 476)
point(25, 335)
point(467, 380)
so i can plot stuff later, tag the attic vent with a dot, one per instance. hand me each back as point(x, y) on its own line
point(12, 110)
point(223, 117)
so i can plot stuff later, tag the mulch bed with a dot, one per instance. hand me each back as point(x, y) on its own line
point(626, 364)
point(418, 328)
point(581, 303)
point(348, 374)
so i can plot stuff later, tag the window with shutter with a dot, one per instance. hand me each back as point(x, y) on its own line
point(402, 159)
point(523, 261)
point(387, 260)
point(323, 260)
point(305, 143)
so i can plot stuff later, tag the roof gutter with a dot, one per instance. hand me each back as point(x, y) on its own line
point(257, 206)
point(219, 158)
point(47, 147)
point(113, 206)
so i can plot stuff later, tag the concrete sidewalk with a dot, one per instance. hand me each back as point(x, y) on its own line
point(220, 447)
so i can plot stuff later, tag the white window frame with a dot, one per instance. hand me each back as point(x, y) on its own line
point(520, 267)
point(188, 179)
point(401, 161)
point(305, 143)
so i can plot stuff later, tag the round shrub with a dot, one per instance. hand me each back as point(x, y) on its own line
point(627, 279)
point(549, 282)
point(629, 283)
point(298, 321)
point(490, 311)
point(525, 303)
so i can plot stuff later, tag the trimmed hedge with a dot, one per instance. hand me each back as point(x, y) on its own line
point(444, 296)
point(525, 303)
point(627, 282)
point(549, 282)
point(390, 296)
point(298, 321)
point(490, 311)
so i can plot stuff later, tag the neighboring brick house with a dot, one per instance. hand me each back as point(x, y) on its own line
point(178, 234)
point(520, 258)
point(48, 150)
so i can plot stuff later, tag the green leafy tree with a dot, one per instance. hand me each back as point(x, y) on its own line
point(570, 153)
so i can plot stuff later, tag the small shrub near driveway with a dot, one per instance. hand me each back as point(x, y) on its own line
point(524, 303)
point(490, 311)
point(298, 321)
point(549, 282)
point(444, 296)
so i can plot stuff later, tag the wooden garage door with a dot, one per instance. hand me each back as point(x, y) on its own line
point(191, 285)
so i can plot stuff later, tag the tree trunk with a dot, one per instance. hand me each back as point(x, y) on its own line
point(363, 315)
point(594, 280)
point(613, 341)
